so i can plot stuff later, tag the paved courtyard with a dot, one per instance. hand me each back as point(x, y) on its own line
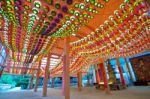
point(139, 92)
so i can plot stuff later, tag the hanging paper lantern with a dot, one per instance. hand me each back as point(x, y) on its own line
point(64, 9)
point(69, 2)
point(57, 6)
point(37, 4)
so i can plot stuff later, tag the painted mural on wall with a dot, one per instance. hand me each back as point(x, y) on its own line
point(141, 66)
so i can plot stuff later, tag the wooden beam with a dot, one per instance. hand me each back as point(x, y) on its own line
point(81, 34)
point(59, 48)
point(66, 63)
point(56, 54)
point(78, 36)
point(37, 77)
point(24, 68)
point(46, 76)
point(91, 28)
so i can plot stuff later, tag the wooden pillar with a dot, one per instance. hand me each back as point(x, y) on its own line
point(66, 77)
point(37, 77)
point(31, 81)
point(127, 64)
point(97, 74)
point(79, 76)
point(106, 85)
point(46, 76)
point(120, 71)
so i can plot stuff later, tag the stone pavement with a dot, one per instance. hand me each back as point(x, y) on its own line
point(138, 92)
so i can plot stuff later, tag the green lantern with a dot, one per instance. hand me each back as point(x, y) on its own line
point(90, 9)
point(84, 15)
point(53, 13)
point(72, 18)
point(16, 8)
point(92, 1)
point(99, 5)
point(82, 6)
point(76, 5)
point(46, 23)
point(9, 8)
point(35, 11)
point(9, 2)
point(57, 6)
point(76, 13)
point(25, 12)
point(37, 5)
point(95, 3)
point(26, 7)
point(71, 11)
point(29, 1)
point(87, 1)
point(102, 5)
point(33, 17)
point(106, 0)
point(50, 18)
point(80, 15)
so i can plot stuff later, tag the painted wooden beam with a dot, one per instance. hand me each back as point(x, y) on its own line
point(24, 68)
point(89, 27)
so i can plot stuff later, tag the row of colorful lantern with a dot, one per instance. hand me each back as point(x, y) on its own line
point(130, 20)
point(107, 40)
point(27, 21)
point(93, 39)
